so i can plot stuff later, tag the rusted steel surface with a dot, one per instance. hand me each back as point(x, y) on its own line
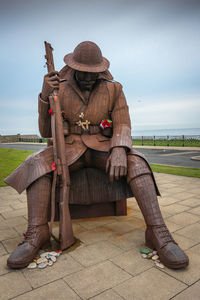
point(89, 97)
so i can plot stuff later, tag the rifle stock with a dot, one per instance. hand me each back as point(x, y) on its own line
point(62, 171)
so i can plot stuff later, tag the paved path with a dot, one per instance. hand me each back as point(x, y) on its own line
point(107, 264)
point(179, 156)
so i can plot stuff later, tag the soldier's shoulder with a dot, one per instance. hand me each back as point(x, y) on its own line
point(114, 83)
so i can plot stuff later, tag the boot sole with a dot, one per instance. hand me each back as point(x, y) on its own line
point(178, 266)
point(171, 266)
point(18, 266)
point(25, 264)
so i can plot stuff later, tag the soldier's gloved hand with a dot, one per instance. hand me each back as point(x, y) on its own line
point(117, 163)
point(51, 82)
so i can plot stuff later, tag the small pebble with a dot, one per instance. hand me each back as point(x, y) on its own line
point(53, 258)
point(145, 251)
point(159, 265)
point(43, 265)
point(155, 257)
point(59, 252)
point(48, 256)
point(41, 260)
point(44, 254)
point(53, 253)
point(32, 265)
point(150, 255)
point(50, 263)
point(144, 255)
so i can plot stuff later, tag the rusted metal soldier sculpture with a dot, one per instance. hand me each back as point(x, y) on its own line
point(89, 99)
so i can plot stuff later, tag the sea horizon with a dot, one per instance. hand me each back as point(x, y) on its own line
point(167, 132)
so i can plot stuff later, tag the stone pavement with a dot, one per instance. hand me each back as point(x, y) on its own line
point(106, 263)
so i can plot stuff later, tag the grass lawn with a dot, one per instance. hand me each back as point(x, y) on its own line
point(181, 171)
point(10, 159)
point(165, 142)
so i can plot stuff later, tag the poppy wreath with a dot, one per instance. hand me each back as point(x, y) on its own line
point(105, 123)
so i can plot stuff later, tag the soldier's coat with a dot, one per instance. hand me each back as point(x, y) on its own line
point(107, 101)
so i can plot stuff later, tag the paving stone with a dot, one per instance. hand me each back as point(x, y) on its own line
point(125, 226)
point(195, 210)
point(21, 228)
point(56, 290)
point(193, 293)
point(95, 253)
point(91, 223)
point(12, 222)
point(131, 200)
point(174, 209)
point(184, 196)
point(184, 219)
point(77, 228)
point(7, 233)
point(2, 249)
point(13, 284)
point(195, 191)
point(95, 235)
point(183, 242)
point(176, 190)
point(168, 186)
point(97, 279)
point(191, 232)
point(132, 262)
point(3, 265)
point(167, 200)
point(172, 226)
point(151, 284)
point(61, 268)
point(1, 219)
point(192, 202)
point(5, 208)
point(19, 205)
point(5, 203)
point(133, 239)
point(190, 274)
point(107, 295)
point(136, 213)
point(15, 213)
point(11, 244)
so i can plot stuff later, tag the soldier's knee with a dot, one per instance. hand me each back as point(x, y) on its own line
point(137, 166)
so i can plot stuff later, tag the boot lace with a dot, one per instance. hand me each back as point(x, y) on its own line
point(165, 234)
point(27, 235)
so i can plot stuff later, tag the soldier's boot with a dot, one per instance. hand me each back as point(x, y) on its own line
point(37, 234)
point(157, 235)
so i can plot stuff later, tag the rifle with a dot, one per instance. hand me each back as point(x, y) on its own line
point(60, 167)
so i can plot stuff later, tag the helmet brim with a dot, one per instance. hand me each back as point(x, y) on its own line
point(103, 66)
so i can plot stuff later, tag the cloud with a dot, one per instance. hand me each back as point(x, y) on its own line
point(168, 113)
point(153, 47)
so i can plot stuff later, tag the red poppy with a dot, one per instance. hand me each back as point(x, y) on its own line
point(53, 166)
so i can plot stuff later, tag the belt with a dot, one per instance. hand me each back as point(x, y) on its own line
point(92, 129)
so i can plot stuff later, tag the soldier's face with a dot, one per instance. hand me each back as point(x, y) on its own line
point(86, 80)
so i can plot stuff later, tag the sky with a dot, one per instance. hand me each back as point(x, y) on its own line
point(153, 48)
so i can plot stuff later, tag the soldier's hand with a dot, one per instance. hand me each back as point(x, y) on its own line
point(51, 82)
point(117, 164)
